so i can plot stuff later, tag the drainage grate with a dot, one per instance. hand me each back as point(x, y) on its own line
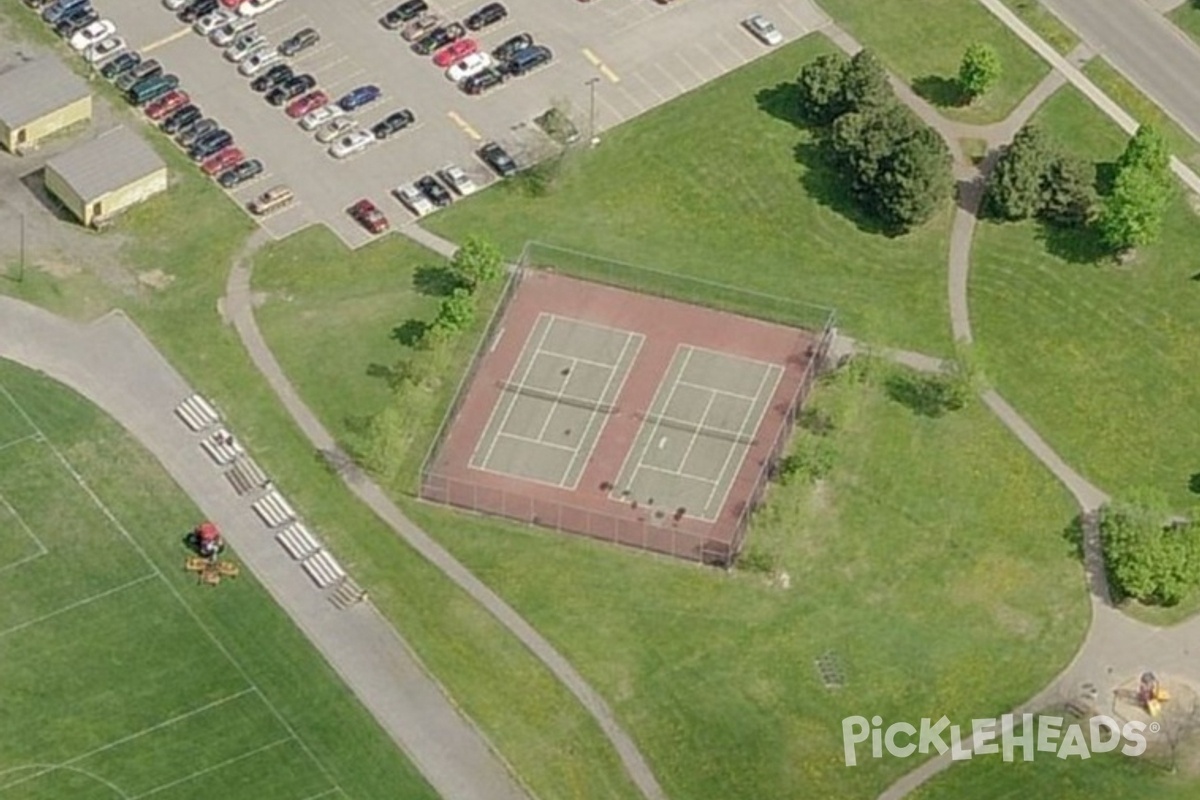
point(829, 668)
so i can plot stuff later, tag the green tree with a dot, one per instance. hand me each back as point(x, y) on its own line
point(865, 83)
point(1070, 191)
point(979, 71)
point(1132, 214)
point(477, 262)
point(1147, 557)
point(388, 438)
point(822, 98)
point(1015, 188)
point(1148, 149)
point(456, 311)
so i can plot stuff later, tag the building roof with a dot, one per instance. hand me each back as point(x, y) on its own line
point(114, 159)
point(37, 88)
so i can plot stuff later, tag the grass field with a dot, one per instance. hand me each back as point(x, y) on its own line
point(1045, 24)
point(122, 677)
point(926, 48)
point(750, 205)
point(1187, 17)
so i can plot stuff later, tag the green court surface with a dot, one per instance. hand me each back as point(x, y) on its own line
point(551, 410)
point(697, 432)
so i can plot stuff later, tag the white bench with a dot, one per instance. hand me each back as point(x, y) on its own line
point(197, 414)
point(322, 568)
point(223, 448)
point(296, 539)
point(245, 476)
point(274, 510)
point(347, 594)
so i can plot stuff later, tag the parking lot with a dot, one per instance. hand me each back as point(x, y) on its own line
point(636, 54)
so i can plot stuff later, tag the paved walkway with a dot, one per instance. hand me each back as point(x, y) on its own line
point(112, 364)
point(238, 308)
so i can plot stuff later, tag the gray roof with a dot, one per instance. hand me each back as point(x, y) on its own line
point(113, 159)
point(37, 88)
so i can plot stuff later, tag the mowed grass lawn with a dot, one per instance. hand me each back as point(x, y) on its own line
point(924, 46)
point(122, 676)
point(1101, 359)
point(721, 184)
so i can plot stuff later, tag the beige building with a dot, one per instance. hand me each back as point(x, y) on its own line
point(37, 99)
point(104, 176)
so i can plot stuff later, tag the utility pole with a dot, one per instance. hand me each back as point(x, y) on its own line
point(594, 139)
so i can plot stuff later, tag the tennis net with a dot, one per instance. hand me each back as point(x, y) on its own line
point(699, 430)
point(587, 404)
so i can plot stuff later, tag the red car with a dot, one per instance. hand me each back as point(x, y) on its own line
point(369, 216)
point(223, 160)
point(309, 102)
point(455, 51)
point(169, 102)
point(231, 4)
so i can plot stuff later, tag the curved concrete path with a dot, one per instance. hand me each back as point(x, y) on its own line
point(114, 366)
point(238, 309)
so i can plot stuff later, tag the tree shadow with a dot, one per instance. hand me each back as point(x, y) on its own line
point(1075, 245)
point(436, 281)
point(825, 184)
point(1194, 483)
point(1072, 534)
point(924, 395)
point(1106, 175)
point(782, 101)
point(941, 92)
point(410, 332)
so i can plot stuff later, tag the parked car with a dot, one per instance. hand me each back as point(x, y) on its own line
point(413, 199)
point(252, 8)
point(498, 159)
point(480, 83)
point(527, 60)
point(240, 173)
point(181, 118)
point(272, 199)
point(359, 97)
point(167, 104)
point(421, 26)
point(436, 193)
point(299, 41)
point(209, 144)
point(458, 180)
point(509, 47)
point(245, 44)
point(104, 49)
point(197, 9)
point(471, 65)
point(403, 13)
point(120, 65)
point(91, 34)
point(315, 119)
point(142, 69)
point(368, 215)
point(335, 128)
point(393, 123)
point(438, 38)
point(76, 20)
point(150, 89)
point(188, 134)
point(274, 76)
point(54, 12)
point(258, 61)
point(351, 144)
point(293, 87)
point(309, 102)
point(216, 164)
point(456, 51)
point(232, 5)
point(764, 29)
point(488, 15)
point(212, 21)
point(174, 5)
point(224, 35)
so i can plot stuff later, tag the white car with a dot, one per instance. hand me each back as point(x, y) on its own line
point(764, 29)
point(244, 45)
point(103, 49)
point(258, 61)
point(174, 5)
point(458, 180)
point(210, 22)
point(413, 199)
point(352, 143)
point(252, 8)
point(315, 119)
point(335, 128)
point(224, 35)
point(97, 31)
point(471, 65)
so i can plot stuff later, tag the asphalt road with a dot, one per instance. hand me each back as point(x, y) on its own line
point(1145, 47)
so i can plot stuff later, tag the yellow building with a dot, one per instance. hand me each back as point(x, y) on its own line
point(37, 99)
point(102, 177)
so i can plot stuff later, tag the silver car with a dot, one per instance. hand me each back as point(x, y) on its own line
point(413, 199)
point(764, 29)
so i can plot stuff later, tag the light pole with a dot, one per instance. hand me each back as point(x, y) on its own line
point(595, 140)
point(21, 270)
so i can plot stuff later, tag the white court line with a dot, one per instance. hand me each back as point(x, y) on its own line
point(678, 474)
point(543, 442)
point(777, 371)
point(191, 612)
point(735, 357)
point(738, 395)
point(212, 768)
point(593, 325)
point(581, 360)
point(629, 337)
point(561, 393)
point(33, 437)
point(696, 431)
point(508, 411)
point(653, 404)
point(77, 604)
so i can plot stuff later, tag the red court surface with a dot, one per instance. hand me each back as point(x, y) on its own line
point(616, 439)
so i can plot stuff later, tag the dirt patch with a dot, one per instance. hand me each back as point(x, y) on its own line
point(155, 279)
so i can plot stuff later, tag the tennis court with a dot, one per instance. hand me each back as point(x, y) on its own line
point(553, 405)
point(697, 432)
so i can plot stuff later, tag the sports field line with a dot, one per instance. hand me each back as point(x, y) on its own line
point(191, 612)
point(126, 739)
point(77, 604)
point(41, 546)
point(45, 768)
point(775, 372)
point(629, 337)
point(31, 437)
point(326, 793)
point(214, 767)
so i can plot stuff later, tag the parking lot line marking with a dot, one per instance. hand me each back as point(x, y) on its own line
point(179, 34)
point(592, 57)
point(802, 23)
point(740, 57)
point(670, 75)
point(462, 123)
point(608, 73)
point(689, 65)
point(653, 89)
point(720, 64)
